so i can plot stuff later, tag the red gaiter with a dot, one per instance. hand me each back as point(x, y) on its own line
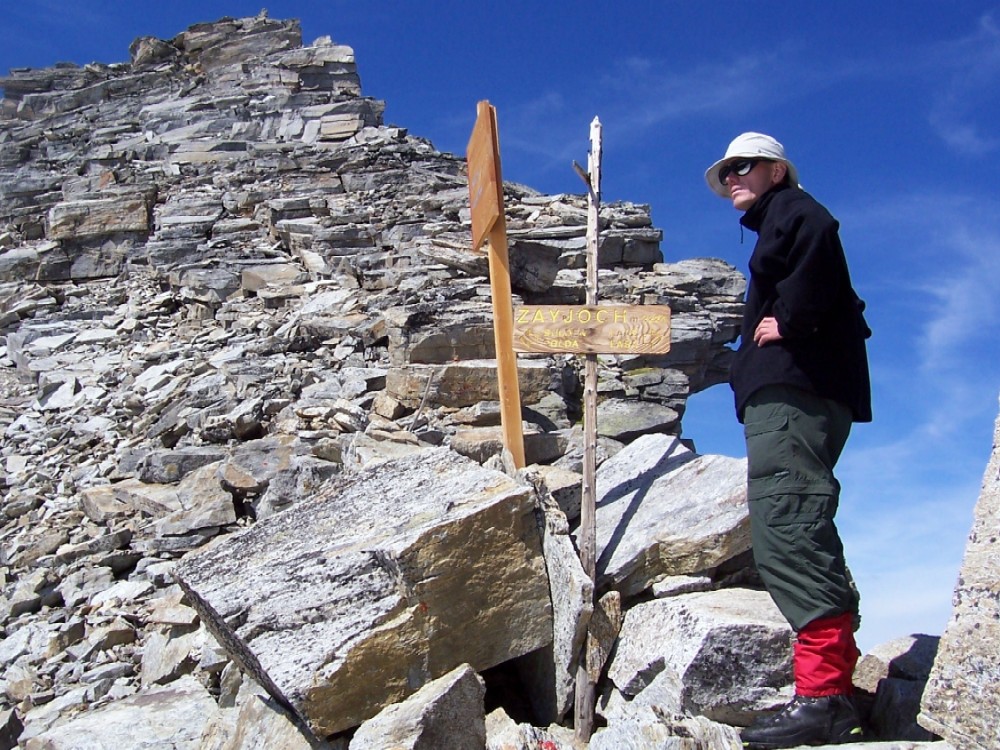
point(825, 654)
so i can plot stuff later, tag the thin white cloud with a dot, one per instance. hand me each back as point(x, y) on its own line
point(948, 280)
point(905, 601)
point(653, 92)
point(968, 309)
point(905, 552)
point(912, 478)
point(633, 99)
point(962, 137)
point(960, 77)
point(970, 85)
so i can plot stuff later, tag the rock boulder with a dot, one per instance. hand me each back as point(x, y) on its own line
point(404, 570)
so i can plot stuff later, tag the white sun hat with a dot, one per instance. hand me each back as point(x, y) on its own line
point(749, 146)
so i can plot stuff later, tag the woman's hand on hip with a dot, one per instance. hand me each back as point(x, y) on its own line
point(767, 331)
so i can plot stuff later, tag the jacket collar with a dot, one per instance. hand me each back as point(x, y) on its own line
point(754, 215)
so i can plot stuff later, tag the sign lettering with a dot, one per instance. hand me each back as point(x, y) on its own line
point(591, 329)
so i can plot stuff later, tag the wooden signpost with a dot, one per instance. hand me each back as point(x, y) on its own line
point(485, 182)
point(589, 330)
point(488, 223)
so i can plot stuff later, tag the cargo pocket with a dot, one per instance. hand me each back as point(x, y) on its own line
point(768, 455)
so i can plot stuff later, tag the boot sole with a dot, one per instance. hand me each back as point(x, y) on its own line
point(844, 737)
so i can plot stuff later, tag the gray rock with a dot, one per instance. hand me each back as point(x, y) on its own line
point(466, 382)
point(435, 336)
point(172, 716)
point(675, 585)
point(198, 503)
point(250, 467)
point(148, 50)
point(626, 420)
point(663, 510)
point(572, 460)
point(446, 712)
point(98, 216)
point(40, 718)
point(728, 655)
point(549, 674)
point(910, 658)
point(170, 653)
point(258, 721)
point(966, 662)
point(10, 729)
point(362, 450)
point(534, 264)
point(378, 601)
point(165, 467)
point(649, 729)
point(228, 41)
point(479, 443)
point(503, 733)
point(80, 586)
point(24, 642)
point(302, 479)
point(566, 488)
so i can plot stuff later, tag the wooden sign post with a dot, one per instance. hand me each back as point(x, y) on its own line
point(589, 329)
point(592, 330)
point(587, 537)
point(489, 224)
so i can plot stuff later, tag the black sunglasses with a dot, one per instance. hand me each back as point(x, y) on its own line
point(740, 168)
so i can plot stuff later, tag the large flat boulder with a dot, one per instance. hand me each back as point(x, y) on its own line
point(383, 581)
point(663, 510)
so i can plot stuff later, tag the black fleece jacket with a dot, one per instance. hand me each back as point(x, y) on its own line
point(798, 275)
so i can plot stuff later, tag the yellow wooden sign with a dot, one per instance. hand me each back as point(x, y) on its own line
point(489, 225)
point(592, 329)
point(485, 183)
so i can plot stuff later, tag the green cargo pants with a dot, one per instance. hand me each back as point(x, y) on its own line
point(794, 439)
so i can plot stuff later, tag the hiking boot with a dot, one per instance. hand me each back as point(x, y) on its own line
point(829, 720)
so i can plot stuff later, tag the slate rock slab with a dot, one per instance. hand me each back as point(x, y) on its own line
point(966, 664)
point(385, 580)
point(663, 510)
point(445, 713)
point(173, 716)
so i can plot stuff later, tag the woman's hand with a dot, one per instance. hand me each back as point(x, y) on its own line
point(767, 331)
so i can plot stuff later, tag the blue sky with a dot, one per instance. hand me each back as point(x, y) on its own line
point(889, 110)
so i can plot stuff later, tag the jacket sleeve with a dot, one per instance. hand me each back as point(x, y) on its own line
point(815, 278)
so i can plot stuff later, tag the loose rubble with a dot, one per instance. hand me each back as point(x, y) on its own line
point(253, 481)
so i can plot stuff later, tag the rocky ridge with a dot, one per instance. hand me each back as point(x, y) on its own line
point(232, 299)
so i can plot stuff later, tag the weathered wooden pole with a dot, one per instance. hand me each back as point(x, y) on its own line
point(590, 330)
point(587, 538)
